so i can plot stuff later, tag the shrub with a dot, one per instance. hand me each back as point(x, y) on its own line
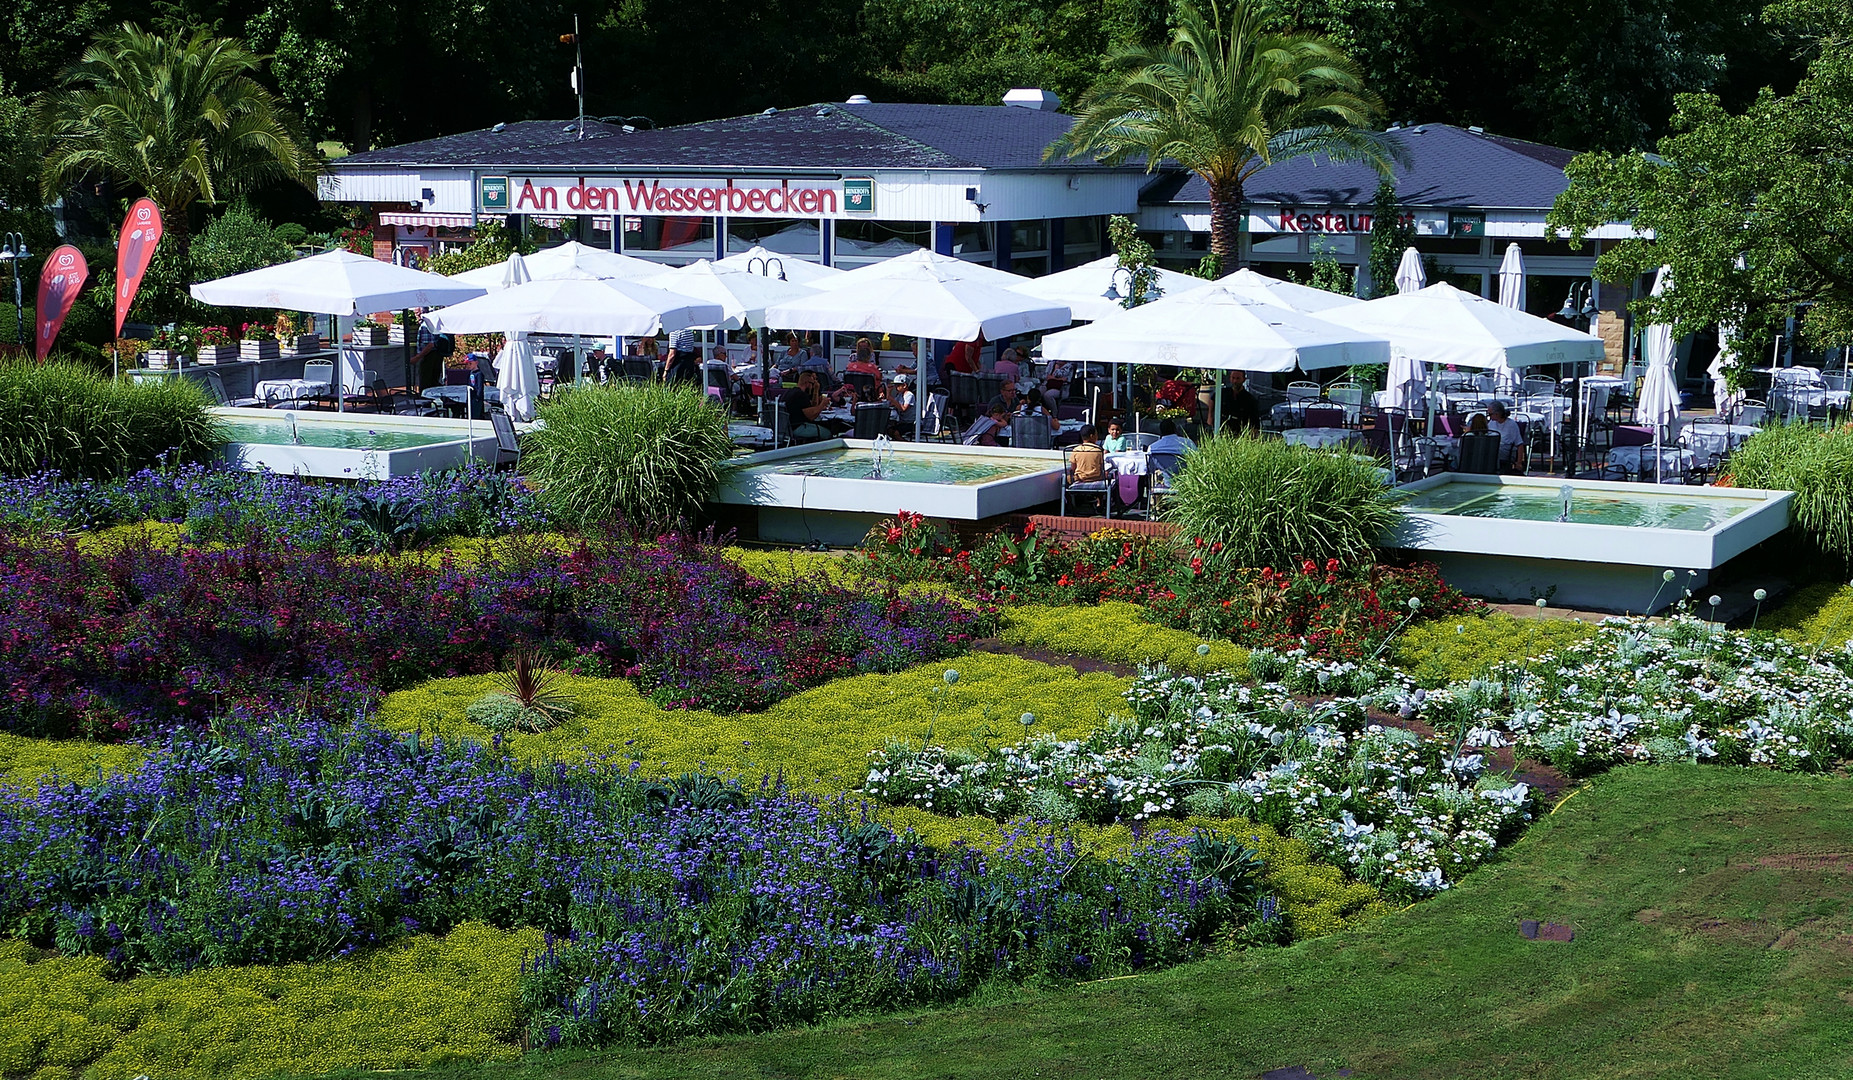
point(1442, 651)
point(1274, 504)
point(426, 1002)
point(65, 418)
point(647, 454)
point(1117, 632)
point(1817, 465)
point(1818, 614)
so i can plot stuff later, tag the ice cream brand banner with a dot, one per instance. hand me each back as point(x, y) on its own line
point(141, 231)
point(59, 283)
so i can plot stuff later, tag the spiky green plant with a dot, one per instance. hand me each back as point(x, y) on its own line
point(1817, 465)
point(646, 454)
point(1274, 504)
point(64, 416)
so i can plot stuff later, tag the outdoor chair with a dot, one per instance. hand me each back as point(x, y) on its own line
point(1088, 489)
point(1837, 380)
point(1160, 469)
point(1303, 391)
point(217, 385)
point(637, 369)
point(872, 419)
point(1751, 413)
point(507, 449)
point(1539, 386)
point(781, 425)
point(1031, 433)
point(1325, 418)
point(862, 381)
point(1479, 454)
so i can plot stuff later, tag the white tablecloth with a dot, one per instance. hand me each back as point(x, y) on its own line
point(1673, 459)
point(1129, 462)
point(749, 434)
point(1715, 438)
point(1318, 437)
point(1294, 412)
point(1443, 448)
point(287, 389)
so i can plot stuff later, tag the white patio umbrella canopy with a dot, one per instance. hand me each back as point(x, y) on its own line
point(760, 260)
point(336, 283)
point(1659, 401)
point(576, 304)
point(1444, 325)
point(743, 297)
point(919, 300)
point(1287, 294)
point(1216, 327)
point(1410, 277)
point(1093, 290)
point(947, 266)
point(565, 258)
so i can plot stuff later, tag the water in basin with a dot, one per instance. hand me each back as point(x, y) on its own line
point(856, 464)
point(334, 436)
point(1587, 507)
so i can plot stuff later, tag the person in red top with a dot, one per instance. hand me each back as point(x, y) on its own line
point(1181, 395)
point(863, 363)
point(964, 356)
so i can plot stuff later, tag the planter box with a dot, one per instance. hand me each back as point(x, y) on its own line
point(217, 354)
point(306, 343)
point(395, 334)
point(259, 350)
point(369, 335)
point(160, 358)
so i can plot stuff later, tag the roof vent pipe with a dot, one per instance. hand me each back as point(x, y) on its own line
point(1040, 100)
point(858, 99)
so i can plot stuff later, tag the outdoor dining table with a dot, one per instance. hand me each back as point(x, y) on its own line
point(1716, 438)
point(459, 394)
point(1128, 462)
point(1640, 459)
point(1320, 436)
point(749, 435)
point(274, 390)
point(1294, 412)
point(1444, 447)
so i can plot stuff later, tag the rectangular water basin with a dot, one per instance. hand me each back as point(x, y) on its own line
point(1501, 537)
point(350, 446)
point(826, 493)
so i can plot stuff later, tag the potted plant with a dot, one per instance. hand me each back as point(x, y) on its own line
point(169, 348)
point(216, 345)
point(368, 332)
point(403, 327)
point(301, 340)
point(259, 342)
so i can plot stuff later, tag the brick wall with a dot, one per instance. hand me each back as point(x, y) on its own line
point(1612, 325)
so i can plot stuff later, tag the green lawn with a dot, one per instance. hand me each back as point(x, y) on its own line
point(1714, 938)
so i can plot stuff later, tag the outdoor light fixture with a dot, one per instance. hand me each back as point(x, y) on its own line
point(13, 249)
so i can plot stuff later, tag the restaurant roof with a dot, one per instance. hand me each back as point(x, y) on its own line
point(823, 136)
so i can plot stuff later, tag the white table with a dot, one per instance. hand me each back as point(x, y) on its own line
point(749, 434)
point(1715, 438)
point(1445, 447)
point(1673, 459)
point(1129, 462)
point(288, 389)
point(1320, 437)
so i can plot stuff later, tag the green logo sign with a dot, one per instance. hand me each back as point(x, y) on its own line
point(859, 196)
point(1467, 226)
point(495, 192)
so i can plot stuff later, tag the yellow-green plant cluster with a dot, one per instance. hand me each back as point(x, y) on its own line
point(1818, 614)
point(27, 762)
point(1114, 632)
point(817, 741)
point(1441, 651)
point(429, 1001)
point(1315, 898)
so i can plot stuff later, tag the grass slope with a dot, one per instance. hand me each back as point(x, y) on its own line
point(1714, 938)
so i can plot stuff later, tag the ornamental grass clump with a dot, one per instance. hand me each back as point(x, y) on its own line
point(642, 453)
point(1817, 465)
point(66, 418)
point(1274, 504)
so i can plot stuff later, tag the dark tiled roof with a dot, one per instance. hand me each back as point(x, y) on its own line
point(1448, 167)
point(824, 136)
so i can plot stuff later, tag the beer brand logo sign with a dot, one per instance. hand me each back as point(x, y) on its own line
point(495, 193)
point(859, 196)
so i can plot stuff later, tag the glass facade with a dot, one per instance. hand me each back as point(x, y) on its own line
point(676, 240)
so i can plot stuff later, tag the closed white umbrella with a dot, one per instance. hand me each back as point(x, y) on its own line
point(1724, 399)
point(1408, 381)
point(1659, 402)
point(1287, 294)
point(1093, 290)
point(517, 377)
point(571, 256)
point(514, 272)
point(338, 283)
point(743, 297)
point(576, 304)
point(769, 263)
point(1410, 277)
point(948, 267)
point(1512, 295)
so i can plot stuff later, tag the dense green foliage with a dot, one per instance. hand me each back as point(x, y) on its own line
point(1455, 650)
point(236, 241)
point(1274, 504)
point(1115, 631)
point(62, 417)
point(644, 454)
point(1817, 465)
point(1818, 615)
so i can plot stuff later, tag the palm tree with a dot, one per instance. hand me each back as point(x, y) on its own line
point(1225, 98)
point(183, 120)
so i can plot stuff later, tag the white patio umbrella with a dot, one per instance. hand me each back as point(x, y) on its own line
point(763, 261)
point(950, 268)
point(1410, 277)
point(1444, 325)
point(576, 304)
point(1512, 295)
point(1093, 290)
point(1407, 382)
point(567, 257)
point(743, 297)
point(921, 301)
point(338, 283)
point(1724, 399)
point(1659, 402)
point(1287, 294)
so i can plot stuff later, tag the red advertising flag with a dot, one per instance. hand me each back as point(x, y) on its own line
point(59, 283)
point(141, 231)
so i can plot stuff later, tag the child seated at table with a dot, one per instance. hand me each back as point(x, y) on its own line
point(1087, 462)
point(1117, 441)
point(988, 429)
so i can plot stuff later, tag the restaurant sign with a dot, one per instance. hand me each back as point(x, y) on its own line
point(671, 196)
point(1339, 219)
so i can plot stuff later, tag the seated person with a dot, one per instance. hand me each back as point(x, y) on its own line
point(1007, 365)
point(803, 405)
point(1169, 441)
point(1006, 398)
point(1117, 441)
point(1087, 462)
point(964, 356)
point(1476, 425)
point(988, 429)
point(900, 395)
point(1055, 380)
point(863, 363)
point(1241, 411)
point(1512, 449)
point(1036, 407)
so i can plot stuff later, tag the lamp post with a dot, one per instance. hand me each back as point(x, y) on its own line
point(13, 249)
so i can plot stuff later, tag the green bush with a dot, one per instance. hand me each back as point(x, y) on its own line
point(65, 417)
point(25, 762)
point(1115, 632)
point(1442, 651)
point(1817, 465)
point(642, 453)
point(1274, 504)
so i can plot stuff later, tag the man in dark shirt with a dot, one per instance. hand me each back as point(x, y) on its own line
point(1241, 412)
point(802, 406)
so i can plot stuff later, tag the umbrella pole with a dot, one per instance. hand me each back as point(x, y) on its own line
point(919, 402)
point(340, 368)
point(765, 376)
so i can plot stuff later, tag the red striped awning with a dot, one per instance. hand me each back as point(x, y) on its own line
point(448, 221)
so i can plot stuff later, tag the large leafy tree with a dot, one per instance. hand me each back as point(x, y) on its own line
point(181, 119)
point(1225, 98)
point(1753, 211)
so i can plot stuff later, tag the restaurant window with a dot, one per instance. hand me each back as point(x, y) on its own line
point(1532, 249)
point(1444, 245)
point(1333, 244)
point(862, 242)
point(972, 239)
point(1288, 244)
point(1033, 266)
point(1081, 232)
point(669, 239)
point(550, 231)
point(799, 238)
point(1029, 236)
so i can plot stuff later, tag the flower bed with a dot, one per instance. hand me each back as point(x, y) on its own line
point(134, 637)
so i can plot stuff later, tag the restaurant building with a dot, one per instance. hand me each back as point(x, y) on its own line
point(854, 182)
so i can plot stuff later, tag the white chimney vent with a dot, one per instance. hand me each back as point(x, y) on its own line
point(1032, 98)
point(857, 99)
